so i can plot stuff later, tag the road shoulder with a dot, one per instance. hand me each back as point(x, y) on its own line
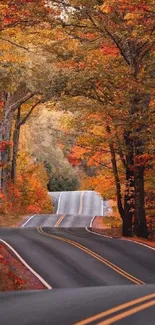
point(99, 228)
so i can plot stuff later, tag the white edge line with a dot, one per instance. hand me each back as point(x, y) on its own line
point(57, 212)
point(96, 233)
point(139, 243)
point(132, 241)
point(91, 222)
point(27, 266)
point(28, 220)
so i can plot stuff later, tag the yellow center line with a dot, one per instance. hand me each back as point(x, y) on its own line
point(96, 256)
point(114, 310)
point(127, 313)
point(81, 203)
point(59, 221)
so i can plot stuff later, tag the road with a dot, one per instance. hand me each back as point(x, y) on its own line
point(92, 279)
point(77, 208)
point(105, 305)
point(74, 257)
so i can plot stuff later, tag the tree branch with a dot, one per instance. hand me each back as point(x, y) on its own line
point(15, 44)
point(111, 36)
point(23, 121)
point(20, 101)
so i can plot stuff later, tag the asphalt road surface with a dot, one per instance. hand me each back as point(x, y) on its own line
point(91, 279)
point(73, 209)
point(67, 258)
point(124, 305)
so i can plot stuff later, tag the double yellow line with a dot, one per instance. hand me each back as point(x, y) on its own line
point(59, 221)
point(96, 256)
point(124, 309)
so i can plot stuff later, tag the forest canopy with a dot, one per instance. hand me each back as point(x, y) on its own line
point(94, 61)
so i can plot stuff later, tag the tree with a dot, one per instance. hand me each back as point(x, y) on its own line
point(22, 13)
point(29, 193)
point(23, 87)
point(100, 56)
point(16, 135)
point(11, 103)
point(42, 138)
point(124, 31)
point(28, 85)
point(19, 23)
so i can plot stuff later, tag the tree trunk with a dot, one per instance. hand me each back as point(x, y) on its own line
point(129, 191)
point(117, 181)
point(1, 139)
point(16, 135)
point(140, 214)
point(5, 155)
point(140, 202)
point(128, 205)
point(5, 128)
point(127, 226)
point(116, 176)
point(12, 102)
point(126, 212)
point(140, 110)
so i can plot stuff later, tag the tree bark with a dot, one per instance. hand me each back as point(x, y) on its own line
point(116, 176)
point(6, 125)
point(11, 103)
point(140, 110)
point(5, 156)
point(140, 203)
point(125, 212)
point(16, 135)
point(129, 191)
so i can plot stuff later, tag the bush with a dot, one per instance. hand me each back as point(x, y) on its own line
point(58, 184)
point(29, 194)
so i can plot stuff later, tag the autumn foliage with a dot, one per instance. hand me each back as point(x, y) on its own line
point(113, 97)
point(21, 12)
point(29, 193)
point(104, 53)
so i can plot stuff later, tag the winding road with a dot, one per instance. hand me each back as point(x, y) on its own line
point(92, 279)
point(76, 209)
point(75, 257)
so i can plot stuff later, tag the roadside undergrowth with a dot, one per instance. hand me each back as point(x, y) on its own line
point(8, 220)
point(14, 275)
point(112, 226)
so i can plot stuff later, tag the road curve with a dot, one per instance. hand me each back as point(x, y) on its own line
point(45, 220)
point(77, 208)
point(67, 258)
point(57, 220)
point(97, 305)
point(79, 203)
